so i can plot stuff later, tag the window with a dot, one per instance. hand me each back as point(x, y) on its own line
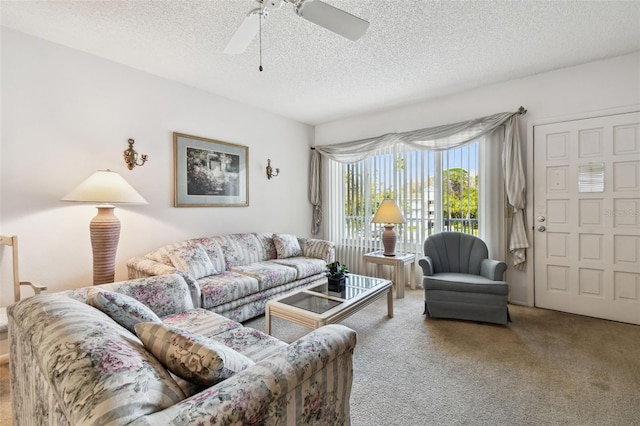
point(437, 191)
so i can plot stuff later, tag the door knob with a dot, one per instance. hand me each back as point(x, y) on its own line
point(541, 218)
point(541, 228)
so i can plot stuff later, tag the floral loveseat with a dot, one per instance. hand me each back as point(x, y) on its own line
point(235, 275)
point(75, 364)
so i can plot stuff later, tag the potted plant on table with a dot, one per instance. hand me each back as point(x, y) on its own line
point(336, 274)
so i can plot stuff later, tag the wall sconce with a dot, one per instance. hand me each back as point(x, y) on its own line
point(270, 173)
point(131, 156)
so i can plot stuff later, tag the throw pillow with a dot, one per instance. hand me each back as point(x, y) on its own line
point(287, 245)
point(193, 357)
point(192, 260)
point(123, 309)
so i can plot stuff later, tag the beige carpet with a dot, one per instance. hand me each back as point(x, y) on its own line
point(5, 400)
point(545, 368)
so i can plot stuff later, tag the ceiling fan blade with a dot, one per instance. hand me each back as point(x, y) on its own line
point(245, 33)
point(333, 19)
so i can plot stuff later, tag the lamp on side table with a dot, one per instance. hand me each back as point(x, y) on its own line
point(389, 213)
point(108, 188)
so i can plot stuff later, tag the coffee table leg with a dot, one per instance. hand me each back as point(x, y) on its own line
point(390, 303)
point(267, 320)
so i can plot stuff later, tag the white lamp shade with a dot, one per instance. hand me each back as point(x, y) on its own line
point(105, 186)
point(388, 212)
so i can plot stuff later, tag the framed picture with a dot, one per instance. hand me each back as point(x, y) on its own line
point(210, 173)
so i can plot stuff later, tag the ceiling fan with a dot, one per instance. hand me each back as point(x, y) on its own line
point(315, 11)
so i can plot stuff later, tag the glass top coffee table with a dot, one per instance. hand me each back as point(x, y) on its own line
point(316, 306)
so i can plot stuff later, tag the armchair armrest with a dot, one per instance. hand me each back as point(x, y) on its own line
point(36, 286)
point(307, 382)
point(493, 269)
point(427, 266)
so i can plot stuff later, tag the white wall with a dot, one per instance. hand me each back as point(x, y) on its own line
point(66, 114)
point(596, 86)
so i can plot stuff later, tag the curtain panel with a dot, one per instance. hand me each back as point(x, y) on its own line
point(437, 139)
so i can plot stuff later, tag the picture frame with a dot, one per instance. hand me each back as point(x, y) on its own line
point(209, 173)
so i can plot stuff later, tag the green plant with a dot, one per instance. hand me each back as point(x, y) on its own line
point(336, 270)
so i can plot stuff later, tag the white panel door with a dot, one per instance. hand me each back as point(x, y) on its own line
point(587, 217)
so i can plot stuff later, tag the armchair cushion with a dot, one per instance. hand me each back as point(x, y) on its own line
point(452, 281)
point(456, 252)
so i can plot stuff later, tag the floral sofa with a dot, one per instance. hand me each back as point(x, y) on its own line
point(236, 274)
point(74, 360)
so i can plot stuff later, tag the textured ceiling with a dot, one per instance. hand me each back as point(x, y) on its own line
point(413, 50)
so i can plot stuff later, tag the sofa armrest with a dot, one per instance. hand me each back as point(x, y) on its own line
point(141, 267)
point(493, 269)
point(319, 249)
point(307, 382)
point(427, 266)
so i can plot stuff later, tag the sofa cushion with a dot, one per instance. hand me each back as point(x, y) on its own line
point(268, 274)
point(161, 254)
point(190, 356)
point(252, 343)
point(268, 247)
point(123, 309)
point(214, 251)
point(287, 245)
point(222, 288)
point(210, 245)
point(319, 249)
point(192, 260)
point(202, 322)
point(304, 266)
point(253, 305)
point(240, 249)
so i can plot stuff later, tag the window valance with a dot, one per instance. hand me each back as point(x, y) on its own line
point(436, 139)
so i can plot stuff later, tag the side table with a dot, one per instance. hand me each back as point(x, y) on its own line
point(398, 262)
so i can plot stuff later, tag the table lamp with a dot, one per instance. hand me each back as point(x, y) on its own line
point(388, 213)
point(107, 187)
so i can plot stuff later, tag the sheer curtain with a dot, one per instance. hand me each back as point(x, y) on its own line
point(436, 138)
point(491, 194)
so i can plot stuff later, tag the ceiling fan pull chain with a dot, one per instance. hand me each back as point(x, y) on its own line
point(261, 15)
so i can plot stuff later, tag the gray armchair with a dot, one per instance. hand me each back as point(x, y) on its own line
point(461, 282)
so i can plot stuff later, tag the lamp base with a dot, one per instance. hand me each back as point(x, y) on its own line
point(389, 238)
point(105, 233)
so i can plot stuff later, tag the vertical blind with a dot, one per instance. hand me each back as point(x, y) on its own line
point(435, 191)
